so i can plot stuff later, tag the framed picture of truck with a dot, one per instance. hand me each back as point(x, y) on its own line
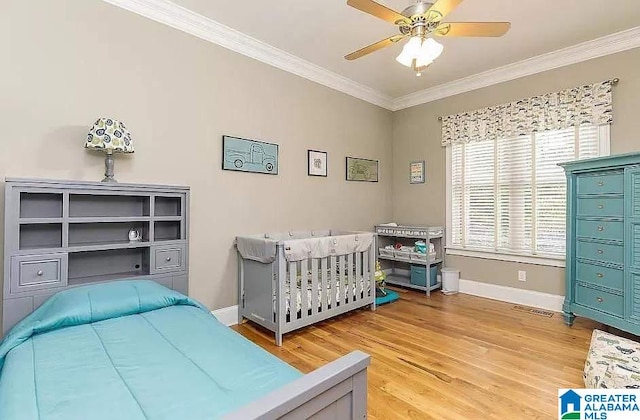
point(362, 169)
point(249, 156)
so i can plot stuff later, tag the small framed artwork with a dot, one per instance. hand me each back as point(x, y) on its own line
point(416, 172)
point(361, 169)
point(249, 156)
point(316, 163)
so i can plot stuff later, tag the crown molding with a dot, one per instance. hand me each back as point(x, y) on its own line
point(610, 44)
point(183, 19)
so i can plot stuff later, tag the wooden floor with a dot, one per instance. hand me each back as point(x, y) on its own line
point(448, 357)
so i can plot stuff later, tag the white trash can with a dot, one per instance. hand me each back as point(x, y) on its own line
point(450, 281)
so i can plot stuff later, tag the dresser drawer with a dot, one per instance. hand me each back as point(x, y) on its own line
point(168, 259)
point(600, 207)
point(600, 252)
point(601, 276)
point(602, 183)
point(35, 272)
point(599, 300)
point(600, 229)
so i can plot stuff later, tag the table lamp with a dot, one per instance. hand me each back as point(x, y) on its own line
point(109, 136)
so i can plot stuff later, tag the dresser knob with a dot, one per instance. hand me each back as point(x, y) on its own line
point(600, 275)
point(600, 228)
point(600, 206)
point(39, 273)
point(168, 259)
point(600, 183)
point(600, 251)
point(600, 300)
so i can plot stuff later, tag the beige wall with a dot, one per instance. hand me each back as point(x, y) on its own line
point(416, 136)
point(66, 62)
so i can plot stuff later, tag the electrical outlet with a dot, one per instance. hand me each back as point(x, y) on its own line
point(522, 276)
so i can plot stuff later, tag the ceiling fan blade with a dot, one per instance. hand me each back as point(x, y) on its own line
point(442, 8)
point(374, 47)
point(379, 11)
point(479, 29)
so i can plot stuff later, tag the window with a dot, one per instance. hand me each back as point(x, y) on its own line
point(507, 197)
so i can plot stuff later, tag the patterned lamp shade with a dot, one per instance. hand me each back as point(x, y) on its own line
point(110, 136)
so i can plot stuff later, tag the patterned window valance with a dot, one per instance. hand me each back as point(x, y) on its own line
point(589, 104)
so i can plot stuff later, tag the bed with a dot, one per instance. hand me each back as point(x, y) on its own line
point(288, 281)
point(137, 350)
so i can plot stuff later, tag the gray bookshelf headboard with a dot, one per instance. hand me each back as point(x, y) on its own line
point(63, 234)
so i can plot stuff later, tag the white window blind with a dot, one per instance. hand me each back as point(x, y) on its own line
point(508, 195)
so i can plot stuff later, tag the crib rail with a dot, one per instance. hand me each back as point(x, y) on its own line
point(315, 289)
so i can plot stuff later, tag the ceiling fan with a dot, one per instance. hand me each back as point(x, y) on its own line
point(420, 22)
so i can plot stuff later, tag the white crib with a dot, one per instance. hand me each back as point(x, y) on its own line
point(291, 280)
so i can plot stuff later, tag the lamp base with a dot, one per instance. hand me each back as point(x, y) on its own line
point(108, 169)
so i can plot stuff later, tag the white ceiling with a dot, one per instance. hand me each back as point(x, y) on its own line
point(323, 31)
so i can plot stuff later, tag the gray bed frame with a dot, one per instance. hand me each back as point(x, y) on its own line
point(53, 242)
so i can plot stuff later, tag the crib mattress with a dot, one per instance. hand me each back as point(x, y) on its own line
point(357, 290)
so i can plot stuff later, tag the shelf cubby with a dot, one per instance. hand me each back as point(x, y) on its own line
point(40, 236)
point(40, 205)
point(77, 232)
point(167, 231)
point(97, 266)
point(397, 263)
point(168, 206)
point(104, 205)
point(83, 234)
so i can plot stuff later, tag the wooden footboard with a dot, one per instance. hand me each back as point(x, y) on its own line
point(336, 391)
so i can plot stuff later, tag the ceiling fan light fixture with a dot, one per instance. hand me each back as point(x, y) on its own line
point(419, 53)
point(405, 59)
point(410, 51)
point(430, 50)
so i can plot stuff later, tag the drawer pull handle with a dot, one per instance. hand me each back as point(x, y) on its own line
point(168, 259)
point(600, 300)
point(600, 275)
point(39, 273)
point(600, 183)
point(600, 206)
point(600, 228)
point(600, 251)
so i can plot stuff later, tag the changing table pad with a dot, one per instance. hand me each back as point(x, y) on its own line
point(130, 350)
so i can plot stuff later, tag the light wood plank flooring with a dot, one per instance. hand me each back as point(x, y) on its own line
point(448, 357)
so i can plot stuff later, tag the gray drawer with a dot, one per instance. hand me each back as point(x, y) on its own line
point(167, 259)
point(35, 272)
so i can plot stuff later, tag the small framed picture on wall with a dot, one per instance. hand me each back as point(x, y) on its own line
point(416, 172)
point(316, 163)
point(359, 169)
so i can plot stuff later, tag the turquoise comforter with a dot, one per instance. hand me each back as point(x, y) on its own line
point(130, 350)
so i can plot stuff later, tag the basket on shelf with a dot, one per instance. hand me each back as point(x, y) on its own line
point(386, 252)
point(402, 254)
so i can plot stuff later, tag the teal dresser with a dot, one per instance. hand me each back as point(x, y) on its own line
point(603, 241)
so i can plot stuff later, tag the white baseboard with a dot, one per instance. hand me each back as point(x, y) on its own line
point(228, 316)
point(513, 295)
